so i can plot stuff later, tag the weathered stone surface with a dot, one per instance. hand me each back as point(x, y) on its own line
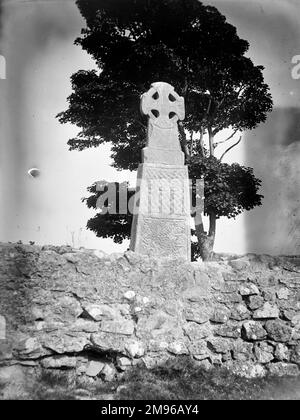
point(99, 312)
point(283, 369)
point(2, 328)
point(198, 349)
point(5, 350)
point(129, 295)
point(282, 353)
point(135, 349)
point(295, 355)
point(249, 289)
point(108, 373)
point(239, 264)
point(44, 303)
point(60, 362)
point(197, 293)
point(255, 302)
point(278, 331)
point(283, 293)
point(295, 320)
point(118, 326)
point(94, 368)
point(160, 227)
point(83, 325)
point(178, 348)
point(253, 331)
point(220, 316)
point(63, 307)
point(268, 311)
point(197, 332)
point(229, 298)
point(269, 295)
point(230, 331)
point(242, 351)
point(100, 254)
point(264, 353)
point(240, 313)
point(196, 313)
point(124, 362)
point(64, 342)
point(109, 343)
point(204, 364)
point(29, 348)
point(246, 369)
point(158, 324)
point(219, 345)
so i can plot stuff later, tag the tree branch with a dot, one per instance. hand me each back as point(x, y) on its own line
point(231, 147)
point(228, 138)
point(183, 141)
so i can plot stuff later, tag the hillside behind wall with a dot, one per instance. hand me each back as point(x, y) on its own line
point(97, 315)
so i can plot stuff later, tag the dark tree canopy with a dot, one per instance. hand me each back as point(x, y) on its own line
point(191, 46)
point(228, 189)
point(182, 42)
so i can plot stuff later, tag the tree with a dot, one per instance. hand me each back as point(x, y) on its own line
point(192, 47)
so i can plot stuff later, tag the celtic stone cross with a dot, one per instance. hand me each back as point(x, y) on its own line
point(161, 223)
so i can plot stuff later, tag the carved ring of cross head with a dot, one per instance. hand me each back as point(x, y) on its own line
point(163, 105)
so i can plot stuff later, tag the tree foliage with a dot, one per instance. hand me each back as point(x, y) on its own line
point(182, 42)
point(191, 46)
point(228, 189)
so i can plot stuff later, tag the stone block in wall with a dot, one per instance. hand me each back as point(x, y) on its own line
point(219, 345)
point(196, 313)
point(264, 353)
point(279, 331)
point(248, 289)
point(240, 264)
point(246, 369)
point(196, 332)
point(240, 313)
point(135, 349)
point(283, 293)
point(59, 362)
point(29, 348)
point(108, 373)
point(109, 343)
point(220, 316)
point(282, 353)
point(253, 331)
point(158, 324)
point(269, 295)
point(229, 298)
point(242, 350)
point(62, 341)
point(229, 331)
point(121, 326)
point(283, 369)
point(178, 348)
point(254, 302)
point(198, 349)
point(267, 311)
point(295, 355)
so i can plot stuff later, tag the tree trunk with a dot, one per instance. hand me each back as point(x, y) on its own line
point(206, 240)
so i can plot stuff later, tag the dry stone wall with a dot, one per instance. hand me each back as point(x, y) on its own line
point(97, 315)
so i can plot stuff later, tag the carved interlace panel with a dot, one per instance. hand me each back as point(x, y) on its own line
point(164, 237)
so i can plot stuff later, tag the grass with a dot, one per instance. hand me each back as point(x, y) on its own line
point(182, 380)
point(178, 379)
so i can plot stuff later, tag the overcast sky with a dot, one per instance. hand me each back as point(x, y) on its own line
point(37, 42)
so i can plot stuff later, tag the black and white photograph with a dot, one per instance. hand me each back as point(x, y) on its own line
point(149, 203)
